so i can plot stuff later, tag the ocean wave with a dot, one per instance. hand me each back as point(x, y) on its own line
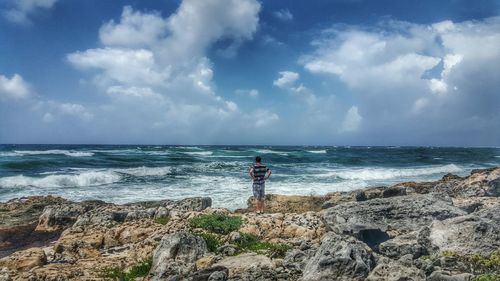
point(391, 173)
point(88, 178)
point(54, 151)
point(317, 151)
point(145, 171)
point(199, 153)
point(269, 151)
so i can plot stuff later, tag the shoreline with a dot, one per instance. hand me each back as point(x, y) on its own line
point(389, 227)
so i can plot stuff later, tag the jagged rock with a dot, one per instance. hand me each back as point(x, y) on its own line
point(176, 255)
point(240, 264)
point(391, 270)
point(478, 232)
point(56, 217)
point(191, 204)
point(24, 260)
point(216, 273)
point(446, 276)
point(403, 245)
point(339, 258)
point(375, 221)
point(485, 182)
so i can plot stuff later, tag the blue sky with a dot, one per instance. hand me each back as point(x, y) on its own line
point(344, 72)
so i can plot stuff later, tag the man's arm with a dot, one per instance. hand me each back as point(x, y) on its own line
point(269, 172)
point(251, 173)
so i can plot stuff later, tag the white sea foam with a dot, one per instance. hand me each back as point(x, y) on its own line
point(391, 173)
point(87, 178)
point(317, 151)
point(199, 153)
point(54, 151)
point(145, 171)
point(269, 151)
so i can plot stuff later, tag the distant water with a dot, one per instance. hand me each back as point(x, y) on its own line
point(136, 173)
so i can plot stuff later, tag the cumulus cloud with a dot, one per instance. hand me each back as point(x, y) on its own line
point(352, 120)
point(417, 80)
point(252, 93)
point(283, 15)
point(22, 10)
point(286, 79)
point(14, 88)
point(158, 76)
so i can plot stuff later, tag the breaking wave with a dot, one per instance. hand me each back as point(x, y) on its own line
point(391, 173)
point(53, 151)
point(88, 178)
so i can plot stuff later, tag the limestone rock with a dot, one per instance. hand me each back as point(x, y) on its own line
point(476, 233)
point(24, 260)
point(176, 255)
point(391, 270)
point(376, 220)
point(244, 263)
point(339, 258)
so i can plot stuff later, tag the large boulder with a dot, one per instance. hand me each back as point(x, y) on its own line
point(339, 258)
point(391, 270)
point(375, 221)
point(56, 217)
point(476, 233)
point(406, 244)
point(176, 255)
point(484, 182)
point(238, 265)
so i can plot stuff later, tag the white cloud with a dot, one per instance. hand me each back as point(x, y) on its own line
point(22, 9)
point(283, 15)
point(414, 79)
point(14, 88)
point(287, 79)
point(158, 76)
point(352, 120)
point(264, 118)
point(252, 93)
point(135, 29)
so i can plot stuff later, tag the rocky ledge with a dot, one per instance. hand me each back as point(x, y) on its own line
point(443, 230)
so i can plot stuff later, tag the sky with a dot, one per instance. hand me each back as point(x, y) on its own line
point(337, 72)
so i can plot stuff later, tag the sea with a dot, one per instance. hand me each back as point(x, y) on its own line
point(131, 173)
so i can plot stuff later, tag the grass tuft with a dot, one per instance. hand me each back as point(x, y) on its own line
point(140, 270)
point(487, 277)
point(162, 220)
point(249, 242)
point(213, 240)
point(217, 223)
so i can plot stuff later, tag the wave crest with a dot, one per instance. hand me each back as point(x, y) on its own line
point(88, 178)
point(391, 173)
point(54, 151)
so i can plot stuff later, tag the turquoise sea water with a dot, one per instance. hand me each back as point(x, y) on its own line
point(125, 173)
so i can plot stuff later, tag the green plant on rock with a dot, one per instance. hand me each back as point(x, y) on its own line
point(217, 223)
point(249, 242)
point(162, 220)
point(213, 241)
point(140, 270)
point(447, 253)
point(487, 277)
point(490, 262)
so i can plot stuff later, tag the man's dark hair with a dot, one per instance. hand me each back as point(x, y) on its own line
point(258, 159)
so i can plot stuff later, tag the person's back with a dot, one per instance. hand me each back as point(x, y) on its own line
point(259, 174)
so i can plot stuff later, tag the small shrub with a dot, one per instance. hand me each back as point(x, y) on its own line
point(217, 223)
point(140, 270)
point(162, 220)
point(487, 277)
point(249, 242)
point(446, 253)
point(213, 241)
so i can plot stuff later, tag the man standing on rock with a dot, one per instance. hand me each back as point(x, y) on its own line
point(259, 174)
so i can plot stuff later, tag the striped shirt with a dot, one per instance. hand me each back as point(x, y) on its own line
point(259, 172)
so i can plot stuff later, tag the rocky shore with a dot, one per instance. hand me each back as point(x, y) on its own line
point(443, 230)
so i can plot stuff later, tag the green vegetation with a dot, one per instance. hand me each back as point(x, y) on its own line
point(217, 223)
point(448, 254)
point(487, 277)
point(213, 240)
point(139, 270)
point(162, 220)
point(249, 242)
point(491, 262)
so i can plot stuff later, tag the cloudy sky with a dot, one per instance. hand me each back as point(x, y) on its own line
point(339, 72)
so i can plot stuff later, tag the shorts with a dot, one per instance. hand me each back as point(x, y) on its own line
point(259, 191)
